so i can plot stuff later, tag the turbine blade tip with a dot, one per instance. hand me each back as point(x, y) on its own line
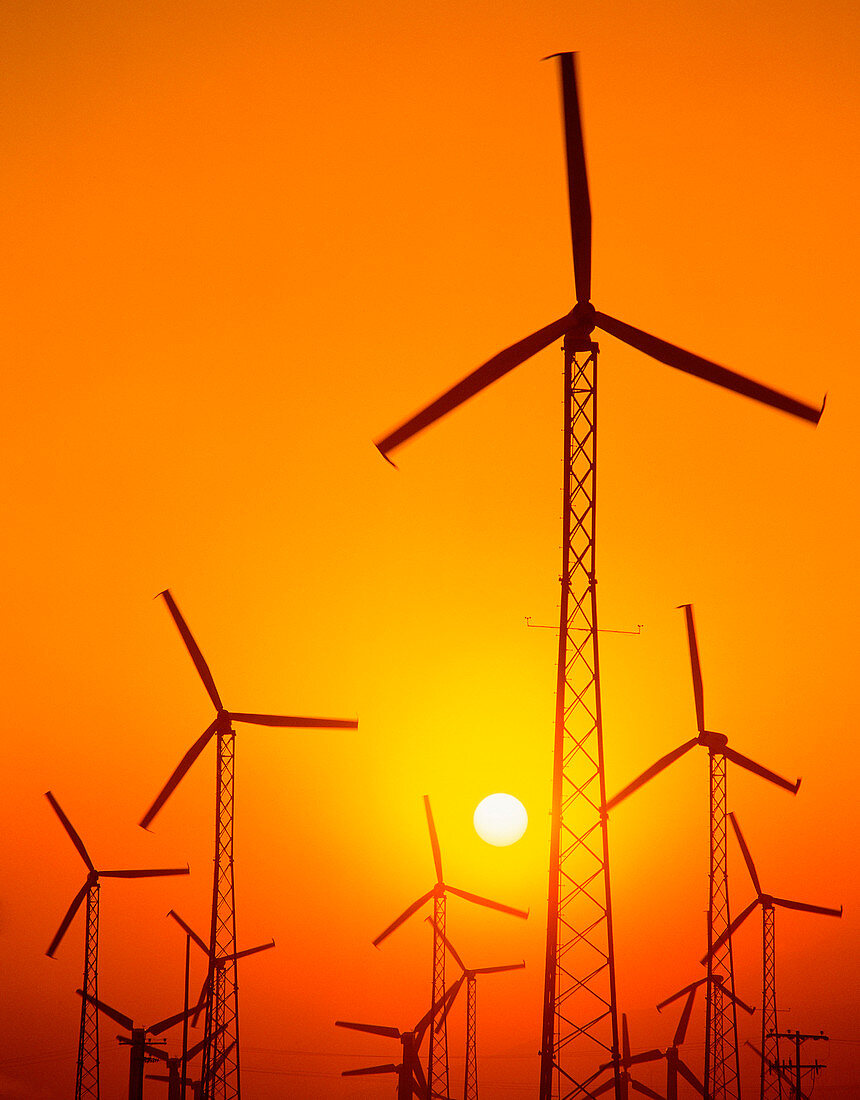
point(390, 461)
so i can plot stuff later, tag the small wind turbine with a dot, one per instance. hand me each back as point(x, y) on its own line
point(138, 1046)
point(628, 1059)
point(470, 976)
point(438, 1057)
point(87, 1077)
point(222, 1012)
point(722, 1066)
point(770, 1086)
point(579, 986)
point(175, 1080)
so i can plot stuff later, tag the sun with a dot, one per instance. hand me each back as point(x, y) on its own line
point(500, 819)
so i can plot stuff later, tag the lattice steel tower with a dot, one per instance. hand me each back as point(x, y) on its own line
point(580, 1016)
point(220, 1073)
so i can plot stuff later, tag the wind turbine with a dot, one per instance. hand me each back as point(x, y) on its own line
point(470, 976)
point(137, 1043)
point(87, 1075)
point(221, 1055)
point(628, 1059)
point(770, 1084)
point(580, 1015)
point(174, 1079)
point(437, 1072)
point(674, 1065)
point(722, 1066)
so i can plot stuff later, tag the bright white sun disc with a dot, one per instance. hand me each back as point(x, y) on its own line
point(500, 819)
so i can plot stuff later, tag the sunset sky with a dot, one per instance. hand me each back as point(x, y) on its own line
point(243, 240)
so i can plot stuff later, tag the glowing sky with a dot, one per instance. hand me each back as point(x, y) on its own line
point(241, 240)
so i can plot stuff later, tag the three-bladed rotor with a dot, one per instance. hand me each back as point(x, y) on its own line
point(766, 901)
point(223, 717)
point(580, 322)
point(93, 874)
point(716, 743)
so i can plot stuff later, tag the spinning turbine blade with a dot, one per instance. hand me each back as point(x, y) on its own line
point(745, 852)
point(152, 873)
point(577, 179)
point(447, 943)
point(371, 1029)
point(67, 825)
point(691, 1078)
point(765, 773)
point(687, 989)
point(683, 1023)
point(115, 1014)
point(478, 900)
point(163, 1025)
point(181, 768)
point(804, 908)
point(193, 649)
point(498, 969)
point(67, 919)
point(370, 1069)
point(696, 667)
point(434, 840)
point(689, 363)
point(189, 931)
point(730, 931)
point(473, 383)
point(405, 915)
point(247, 951)
point(649, 773)
point(294, 723)
point(625, 1039)
point(450, 997)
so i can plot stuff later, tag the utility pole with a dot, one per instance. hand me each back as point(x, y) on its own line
point(797, 1068)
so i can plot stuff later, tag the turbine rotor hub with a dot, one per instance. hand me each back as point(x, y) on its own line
point(583, 320)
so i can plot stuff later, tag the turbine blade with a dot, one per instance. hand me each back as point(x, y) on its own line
point(730, 931)
point(293, 722)
point(189, 931)
point(745, 852)
point(371, 1029)
point(689, 363)
point(646, 1091)
point(450, 997)
point(201, 1001)
point(473, 383)
point(765, 773)
point(687, 989)
point(499, 969)
point(369, 1069)
point(696, 667)
point(434, 840)
point(447, 943)
point(733, 996)
point(195, 1050)
point(405, 915)
point(803, 907)
point(114, 1013)
point(67, 825)
point(420, 1079)
point(164, 1025)
point(690, 1077)
point(653, 1055)
point(625, 1039)
point(684, 1021)
point(605, 1087)
point(181, 768)
point(577, 179)
point(247, 951)
point(67, 919)
point(156, 1052)
point(154, 872)
point(478, 900)
point(649, 773)
point(193, 649)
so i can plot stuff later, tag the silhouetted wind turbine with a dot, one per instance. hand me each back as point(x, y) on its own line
point(137, 1043)
point(174, 1078)
point(579, 906)
point(438, 1057)
point(628, 1059)
point(222, 1011)
point(770, 1086)
point(470, 976)
point(87, 1075)
point(722, 1067)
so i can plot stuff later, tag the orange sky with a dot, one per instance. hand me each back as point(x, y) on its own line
point(241, 240)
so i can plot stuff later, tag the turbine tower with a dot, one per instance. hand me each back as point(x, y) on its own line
point(220, 1072)
point(580, 1020)
point(470, 976)
point(722, 1063)
point(87, 1075)
point(437, 1072)
point(771, 1084)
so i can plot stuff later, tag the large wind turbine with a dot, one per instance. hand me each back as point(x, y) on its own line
point(770, 1082)
point(87, 1075)
point(437, 1073)
point(722, 1066)
point(220, 1072)
point(580, 1023)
